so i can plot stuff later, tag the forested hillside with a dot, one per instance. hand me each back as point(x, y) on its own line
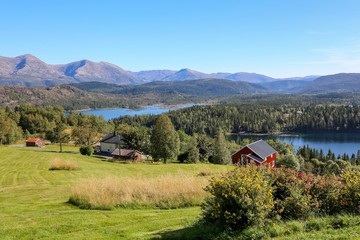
point(260, 119)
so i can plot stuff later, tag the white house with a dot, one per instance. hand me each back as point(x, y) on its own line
point(110, 142)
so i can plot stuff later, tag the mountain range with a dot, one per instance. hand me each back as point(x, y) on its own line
point(28, 70)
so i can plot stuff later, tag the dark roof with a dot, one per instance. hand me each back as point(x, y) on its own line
point(33, 140)
point(124, 152)
point(113, 138)
point(255, 158)
point(261, 148)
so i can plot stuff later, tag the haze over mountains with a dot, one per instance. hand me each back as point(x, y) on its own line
point(28, 70)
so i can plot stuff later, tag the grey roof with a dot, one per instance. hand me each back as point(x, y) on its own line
point(261, 148)
point(255, 158)
point(113, 138)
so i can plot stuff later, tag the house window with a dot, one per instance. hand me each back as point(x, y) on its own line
point(273, 164)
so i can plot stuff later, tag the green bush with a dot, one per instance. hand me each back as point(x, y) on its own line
point(351, 191)
point(249, 196)
point(290, 196)
point(86, 150)
point(238, 199)
point(326, 194)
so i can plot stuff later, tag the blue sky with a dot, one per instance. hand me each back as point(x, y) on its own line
point(279, 38)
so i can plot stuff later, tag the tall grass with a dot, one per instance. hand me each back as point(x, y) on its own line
point(59, 164)
point(165, 191)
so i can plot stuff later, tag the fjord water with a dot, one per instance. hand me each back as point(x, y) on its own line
point(339, 143)
point(119, 112)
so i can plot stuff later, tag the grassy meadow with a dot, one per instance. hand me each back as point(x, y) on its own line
point(34, 200)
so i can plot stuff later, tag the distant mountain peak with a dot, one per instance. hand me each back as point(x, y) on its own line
point(249, 77)
point(186, 74)
point(28, 70)
point(27, 55)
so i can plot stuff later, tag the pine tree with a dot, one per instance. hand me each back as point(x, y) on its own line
point(165, 143)
point(221, 151)
point(193, 156)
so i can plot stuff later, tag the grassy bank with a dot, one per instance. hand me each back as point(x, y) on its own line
point(164, 192)
point(33, 199)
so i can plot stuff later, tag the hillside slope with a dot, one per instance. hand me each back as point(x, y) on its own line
point(342, 82)
point(65, 95)
point(197, 88)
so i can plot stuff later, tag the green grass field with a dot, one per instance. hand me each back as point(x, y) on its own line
point(33, 202)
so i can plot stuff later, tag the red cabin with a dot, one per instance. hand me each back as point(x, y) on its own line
point(259, 153)
point(35, 142)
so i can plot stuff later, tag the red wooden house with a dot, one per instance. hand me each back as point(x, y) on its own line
point(259, 153)
point(35, 142)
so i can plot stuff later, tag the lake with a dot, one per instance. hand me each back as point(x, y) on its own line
point(151, 109)
point(339, 143)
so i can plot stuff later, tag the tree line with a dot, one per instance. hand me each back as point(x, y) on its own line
point(197, 134)
point(254, 118)
point(51, 123)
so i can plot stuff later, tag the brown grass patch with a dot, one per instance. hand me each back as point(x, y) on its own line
point(59, 164)
point(166, 191)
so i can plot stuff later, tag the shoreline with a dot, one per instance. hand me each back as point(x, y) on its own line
point(142, 107)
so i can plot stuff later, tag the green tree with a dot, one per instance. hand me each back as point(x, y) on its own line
point(289, 160)
point(136, 137)
point(193, 150)
point(221, 151)
point(206, 147)
point(59, 135)
point(184, 141)
point(89, 130)
point(165, 143)
point(9, 131)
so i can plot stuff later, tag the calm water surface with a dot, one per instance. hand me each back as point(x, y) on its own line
point(118, 112)
point(339, 143)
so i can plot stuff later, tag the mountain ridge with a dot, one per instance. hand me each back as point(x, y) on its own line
point(28, 70)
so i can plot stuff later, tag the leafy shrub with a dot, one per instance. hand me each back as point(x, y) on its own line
point(238, 199)
point(289, 161)
point(326, 194)
point(86, 150)
point(251, 234)
point(290, 197)
point(340, 222)
point(351, 191)
point(315, 224)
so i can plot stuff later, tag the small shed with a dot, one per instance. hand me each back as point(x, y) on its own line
point(127, 154)
point(35, 142)
point(258, 153)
